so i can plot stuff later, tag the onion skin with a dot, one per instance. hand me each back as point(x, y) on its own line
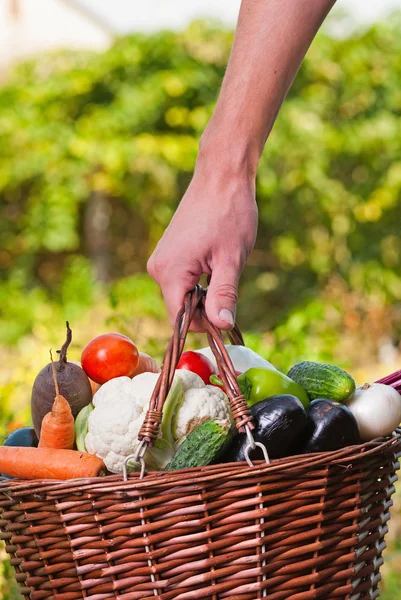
point(377, 409)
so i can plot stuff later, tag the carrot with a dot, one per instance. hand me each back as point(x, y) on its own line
point(146, 364)
point(94, 386)
point(58, 425)
point(48, 463)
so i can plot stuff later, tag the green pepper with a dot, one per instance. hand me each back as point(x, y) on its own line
point(258, 384)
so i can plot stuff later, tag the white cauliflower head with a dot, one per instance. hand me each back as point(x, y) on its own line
point(199, 405)
point(120, 407)
point(189, 379)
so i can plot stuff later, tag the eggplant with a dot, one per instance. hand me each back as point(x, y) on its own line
point(329, 426)
point(24, 436)
point(279, 423)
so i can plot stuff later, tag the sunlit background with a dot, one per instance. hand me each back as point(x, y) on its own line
point(101, 108)
point(157, 14)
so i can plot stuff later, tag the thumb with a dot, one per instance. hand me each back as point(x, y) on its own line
point(221, 299)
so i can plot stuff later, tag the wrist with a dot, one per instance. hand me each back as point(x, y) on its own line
point(224, 149)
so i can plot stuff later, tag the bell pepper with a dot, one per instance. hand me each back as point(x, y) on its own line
point(257, 384)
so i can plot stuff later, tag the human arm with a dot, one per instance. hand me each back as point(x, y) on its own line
point(214, 228)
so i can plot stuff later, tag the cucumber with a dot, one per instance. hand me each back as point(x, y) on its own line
point(323, 381)
point(202, 446)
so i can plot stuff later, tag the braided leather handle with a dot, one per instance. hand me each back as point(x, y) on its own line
point(195, 300)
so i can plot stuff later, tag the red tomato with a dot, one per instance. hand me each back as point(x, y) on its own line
point(109, 355)
point(197, 363)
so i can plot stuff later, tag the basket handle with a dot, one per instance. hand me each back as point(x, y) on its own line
point(194, 300)
point(235, 336)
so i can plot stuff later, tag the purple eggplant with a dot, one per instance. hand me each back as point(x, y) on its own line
point(329, 426)
point(24, 436)
point(279, 423)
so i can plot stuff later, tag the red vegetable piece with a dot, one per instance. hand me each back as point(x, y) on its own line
point(108, 356)
point(197, 363)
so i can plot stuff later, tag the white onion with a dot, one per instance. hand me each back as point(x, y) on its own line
point(377, 409)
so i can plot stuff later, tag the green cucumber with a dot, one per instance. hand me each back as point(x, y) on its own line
point(202, 446)
point(323, 381)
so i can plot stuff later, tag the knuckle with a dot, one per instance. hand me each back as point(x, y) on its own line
point(156, 267)
point(150, 267)
point(226, 290)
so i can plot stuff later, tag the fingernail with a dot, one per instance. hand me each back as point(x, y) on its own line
point(226, 316)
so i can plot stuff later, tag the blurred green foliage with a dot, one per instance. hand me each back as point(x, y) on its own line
point(96, 152)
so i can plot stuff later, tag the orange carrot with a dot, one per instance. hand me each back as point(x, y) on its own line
point(48, 463)
point(58, 425)
point(94, 386)
point(146, 364)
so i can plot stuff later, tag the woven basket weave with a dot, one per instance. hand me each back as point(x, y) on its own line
point(303, 527)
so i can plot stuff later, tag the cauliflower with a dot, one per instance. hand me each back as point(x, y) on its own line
point(189, 379)
point(120, 406)
point(199, 405)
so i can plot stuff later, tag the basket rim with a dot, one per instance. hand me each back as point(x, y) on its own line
point(236, 471)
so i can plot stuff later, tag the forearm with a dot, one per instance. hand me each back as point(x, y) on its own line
point(271, 41)
point(214, 229)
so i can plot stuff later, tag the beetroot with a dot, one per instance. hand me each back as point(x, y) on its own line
point(73, 384)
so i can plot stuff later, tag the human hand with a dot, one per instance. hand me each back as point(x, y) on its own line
point(213, 231)
point(214, 228)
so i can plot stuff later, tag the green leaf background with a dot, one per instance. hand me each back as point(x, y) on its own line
point(97, 150)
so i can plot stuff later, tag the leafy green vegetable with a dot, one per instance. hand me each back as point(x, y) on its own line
point(81, 426)
point(171, 406)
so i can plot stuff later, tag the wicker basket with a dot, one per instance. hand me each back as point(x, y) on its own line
point(303, 527)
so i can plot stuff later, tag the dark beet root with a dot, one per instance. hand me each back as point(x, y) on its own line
point(73, 385)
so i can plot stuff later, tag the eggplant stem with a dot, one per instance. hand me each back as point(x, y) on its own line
point(64, 347)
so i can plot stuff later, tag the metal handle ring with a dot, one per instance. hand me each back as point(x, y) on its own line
point(262, 447)
point(138, 458)
point(252, 445)
point(250, 437)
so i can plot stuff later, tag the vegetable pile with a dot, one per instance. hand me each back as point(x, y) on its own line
point(87, 416)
